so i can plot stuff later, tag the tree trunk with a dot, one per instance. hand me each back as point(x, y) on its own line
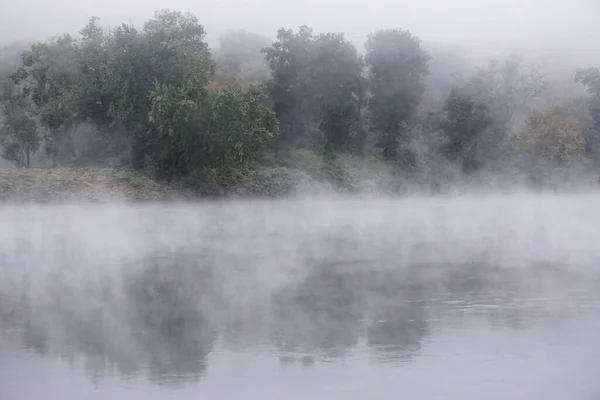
point(20, 159)
point(27, 155)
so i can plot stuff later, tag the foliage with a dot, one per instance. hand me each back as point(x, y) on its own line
point(49, 75)
point(288, 57)
point(316, 79)
point(19, 137)
point(170, 57)
point(223, 128)
point(554, 137)
point(397, 70)
point(509, 89)
point(590, 79)
point(242, 124)
point(466, 123)
point(335, 77)
point(155, 98)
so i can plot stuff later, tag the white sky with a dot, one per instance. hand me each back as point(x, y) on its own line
point(565, 29)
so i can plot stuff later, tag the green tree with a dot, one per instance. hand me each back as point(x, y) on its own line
point(397, 71)
point(465, 126)
point(178, 48)
point(178, 63)
point(93, 100)
point(288, 58)
point(316, 80)
point(241, 123)
point(49, 75)
point(222, 129)
point(337, 87)
point(148, 88)
point(509, 89)
point(19, 136)
point(129, 67)
point(175, 114)
point(554, 137)
point(590, 79)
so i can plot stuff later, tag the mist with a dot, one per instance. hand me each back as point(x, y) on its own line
point(185, 300)
point(299, 200)
point(484, 28)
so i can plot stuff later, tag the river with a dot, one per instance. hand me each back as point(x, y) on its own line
point(464, 297)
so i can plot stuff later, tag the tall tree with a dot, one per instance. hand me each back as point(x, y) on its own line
point(465, 125)
point(316, 80)
point(179, 63)
point(288, 58)
point(337, 88)
point(50, 76)
point(19, 136)
point(590, 78)
point(397, 71)
point(224, 128)
point(93, 50)
point(178, 49)
point(509, 88)
point(554, 137)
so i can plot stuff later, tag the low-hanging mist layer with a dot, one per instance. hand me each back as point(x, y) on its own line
point(155, 289)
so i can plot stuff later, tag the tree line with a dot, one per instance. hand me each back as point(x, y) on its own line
point(157, 98)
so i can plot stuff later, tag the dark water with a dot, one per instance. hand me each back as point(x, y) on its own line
point(465, 298)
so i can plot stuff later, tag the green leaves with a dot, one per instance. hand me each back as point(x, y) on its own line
point(19, 136)
point(224, 129)
point(316, 80)
point(465, 126)
point(151, 84)
point(509, 89)
point(241, 122)
point(590, 78)
point(397, 70)
point(553, 136)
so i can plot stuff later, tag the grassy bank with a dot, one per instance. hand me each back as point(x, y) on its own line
point(87, 184)
point(304, 172)
point(298, 172)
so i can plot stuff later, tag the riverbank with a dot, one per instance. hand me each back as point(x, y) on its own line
point(85, 184)
point(298, 173)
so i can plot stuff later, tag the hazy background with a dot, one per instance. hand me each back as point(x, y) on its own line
point(563, 30)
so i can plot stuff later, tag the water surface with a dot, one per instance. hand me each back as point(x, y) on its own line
point(490, 297)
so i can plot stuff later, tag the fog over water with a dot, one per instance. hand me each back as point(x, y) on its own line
point(462, 297)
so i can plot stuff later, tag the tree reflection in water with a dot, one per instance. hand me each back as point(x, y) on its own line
point(398, 320)
point(174, 332)
point(152, 321)
point(321, 314)
point(159, 315)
